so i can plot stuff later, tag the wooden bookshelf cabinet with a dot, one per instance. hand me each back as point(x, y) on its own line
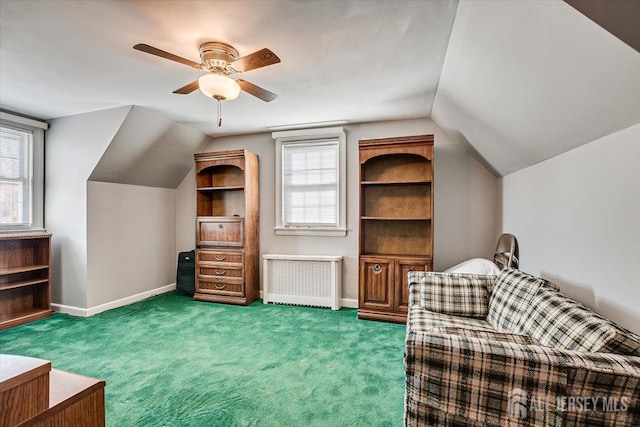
point(24, 278)
point(396, 222)
point(227, 227)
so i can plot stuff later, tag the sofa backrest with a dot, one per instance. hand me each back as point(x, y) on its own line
point(556, 320)
point(525, 304)
point(511, 296)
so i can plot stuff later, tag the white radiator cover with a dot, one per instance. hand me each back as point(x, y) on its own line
point(314, 280)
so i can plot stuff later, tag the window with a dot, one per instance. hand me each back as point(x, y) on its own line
point(21, 173)
point(310, 182)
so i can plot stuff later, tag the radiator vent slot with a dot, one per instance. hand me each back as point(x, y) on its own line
point(303, 280)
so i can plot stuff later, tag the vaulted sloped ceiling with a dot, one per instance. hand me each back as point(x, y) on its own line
point(525, 81)
point(149, 150)
point(619, 17)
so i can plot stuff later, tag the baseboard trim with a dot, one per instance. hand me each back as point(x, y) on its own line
point(344, 302)
point(349, 303)
point(69, 309)
point(86, 312)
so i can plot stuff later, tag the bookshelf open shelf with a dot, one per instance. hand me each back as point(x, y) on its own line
point(227, 188)
point(20, 284)
point(389, 182)
point(394, 218)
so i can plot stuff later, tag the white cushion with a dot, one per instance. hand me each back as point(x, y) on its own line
point(475, 266)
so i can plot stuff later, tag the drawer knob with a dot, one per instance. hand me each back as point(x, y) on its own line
point(220, 258)
point(221, 273)
point(220, 226)
point(377, 269)
point(220, 287)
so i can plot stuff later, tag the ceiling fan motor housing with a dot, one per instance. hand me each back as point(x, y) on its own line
point(217, 56)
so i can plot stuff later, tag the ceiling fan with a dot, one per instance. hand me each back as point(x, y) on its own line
point(220, 60)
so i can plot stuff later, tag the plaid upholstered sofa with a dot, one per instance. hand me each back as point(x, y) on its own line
point(511, 350)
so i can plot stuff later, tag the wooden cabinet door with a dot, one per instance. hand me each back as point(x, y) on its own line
point(402, 268)
point(216, 231)
point(376, 283)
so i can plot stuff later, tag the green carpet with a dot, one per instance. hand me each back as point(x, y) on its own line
point(172, 361)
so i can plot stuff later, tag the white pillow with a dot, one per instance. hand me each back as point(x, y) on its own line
point(475, 266)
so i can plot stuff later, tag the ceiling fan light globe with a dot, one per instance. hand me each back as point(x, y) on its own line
point(219, 87)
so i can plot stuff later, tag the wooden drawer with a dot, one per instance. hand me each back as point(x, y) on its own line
point(213, 231)
point(219, 272)
point(212, 257)
point(229, 286)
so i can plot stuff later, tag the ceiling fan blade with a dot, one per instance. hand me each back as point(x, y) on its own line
point(254, 60)
point(256, 91)
point(187, 89)
point(162, 54)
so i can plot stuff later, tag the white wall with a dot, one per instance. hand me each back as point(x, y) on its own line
point(576, 219)
point(465, 200)
point(131, 233)
point(73, 146)
point(111, 242)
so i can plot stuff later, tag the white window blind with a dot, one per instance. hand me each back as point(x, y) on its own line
point(16, 177)
point(310, 184)
point(311, 195)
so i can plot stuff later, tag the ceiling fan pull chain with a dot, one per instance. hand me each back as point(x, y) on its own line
point(219, 113)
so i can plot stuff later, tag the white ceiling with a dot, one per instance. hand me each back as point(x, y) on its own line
point(355, 61)
point(521, 81)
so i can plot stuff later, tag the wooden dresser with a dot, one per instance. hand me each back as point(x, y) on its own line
point(227, 227)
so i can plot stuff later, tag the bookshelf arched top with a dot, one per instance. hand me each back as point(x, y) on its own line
point(396, 167)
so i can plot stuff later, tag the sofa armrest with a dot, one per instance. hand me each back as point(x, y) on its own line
point(451, 293)
point(449, 377)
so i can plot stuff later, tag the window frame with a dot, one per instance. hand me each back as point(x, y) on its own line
point(37, 129)
point(308, 137)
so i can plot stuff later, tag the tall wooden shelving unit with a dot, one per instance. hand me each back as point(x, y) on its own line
point(227, 242)
point(396, 222)
point(24, 278)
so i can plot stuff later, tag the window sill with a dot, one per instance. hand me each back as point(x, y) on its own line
point(299, 231)
point(22, 230)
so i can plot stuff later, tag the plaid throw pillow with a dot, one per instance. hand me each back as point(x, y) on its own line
point(510, 298)
point(455, 293)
